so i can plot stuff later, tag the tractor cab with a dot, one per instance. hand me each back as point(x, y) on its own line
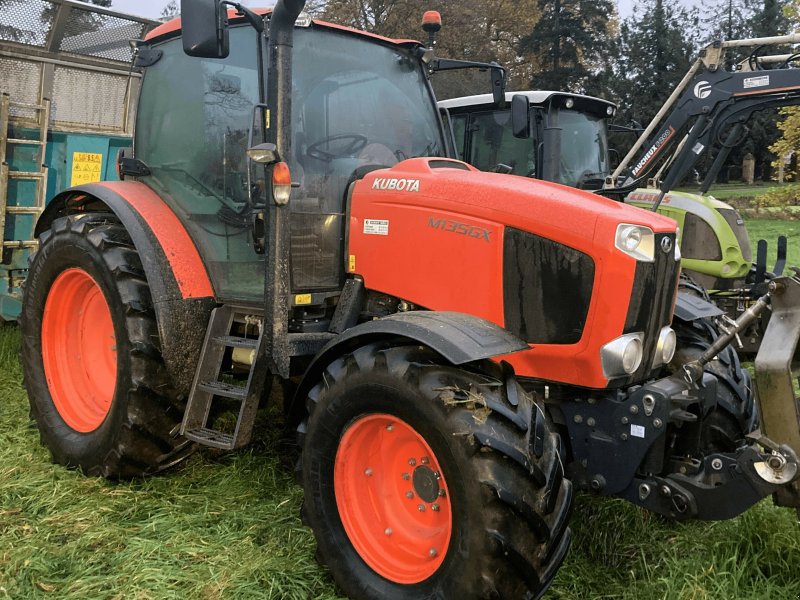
point(560, 137)
point(359, 102)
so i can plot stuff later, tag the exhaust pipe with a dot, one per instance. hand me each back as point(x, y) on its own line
point(279, 90)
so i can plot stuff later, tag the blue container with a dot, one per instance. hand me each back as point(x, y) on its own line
point(71, 159)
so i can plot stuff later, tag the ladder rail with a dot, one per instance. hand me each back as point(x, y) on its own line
point(36, 207)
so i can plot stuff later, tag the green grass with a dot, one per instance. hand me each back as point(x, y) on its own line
point(769, 230)
point(227, 526)
point(728, 191)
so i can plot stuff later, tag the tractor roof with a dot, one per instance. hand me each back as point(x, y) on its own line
point(173, 28)
point(534, 97)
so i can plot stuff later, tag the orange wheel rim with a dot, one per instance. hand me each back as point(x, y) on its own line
point(79, 350)
point(392, 498)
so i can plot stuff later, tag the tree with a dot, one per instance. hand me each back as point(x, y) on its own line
point(571, 40)
point(655, 51)
point(726, 20)
point(472, 29)
point(170, 11)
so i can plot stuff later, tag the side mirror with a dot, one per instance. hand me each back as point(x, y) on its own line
point(498, 76)
point(265, 154)
point(520, 116)
point(204, 25)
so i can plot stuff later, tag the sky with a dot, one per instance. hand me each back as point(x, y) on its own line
point(153, 8)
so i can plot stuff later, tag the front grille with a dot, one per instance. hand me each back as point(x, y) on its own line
point(652, 300)
point(547, 288)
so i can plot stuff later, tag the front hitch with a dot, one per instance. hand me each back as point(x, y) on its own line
point(723, 485)
point(777, 364)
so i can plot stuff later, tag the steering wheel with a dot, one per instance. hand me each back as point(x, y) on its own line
point(352, 143)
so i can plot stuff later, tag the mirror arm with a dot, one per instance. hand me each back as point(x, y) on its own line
point(255, 20)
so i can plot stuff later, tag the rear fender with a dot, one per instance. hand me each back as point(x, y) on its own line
point(459, 338)
point(179, 284)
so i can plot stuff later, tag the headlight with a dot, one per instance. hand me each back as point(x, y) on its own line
point(636, 241)
point(665, 348)
point(622, 356)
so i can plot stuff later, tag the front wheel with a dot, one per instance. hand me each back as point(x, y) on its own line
point(427, 481)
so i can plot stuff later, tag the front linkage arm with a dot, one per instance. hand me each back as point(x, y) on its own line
point(621, 445)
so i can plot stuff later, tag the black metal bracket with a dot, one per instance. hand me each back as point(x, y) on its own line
point(133, 167)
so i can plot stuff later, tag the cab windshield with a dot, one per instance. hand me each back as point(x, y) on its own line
point(584, 149)
point(359, 101)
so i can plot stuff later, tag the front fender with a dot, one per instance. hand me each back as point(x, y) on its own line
point(459, 338)
point(179, 284)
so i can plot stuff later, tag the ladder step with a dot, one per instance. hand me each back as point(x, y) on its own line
point(25, 175)
point(209, 437)
point(21, 244)
point(24, 105)
point(25, 142)
point(23, 210)
point(233, 341)
point(226, 390)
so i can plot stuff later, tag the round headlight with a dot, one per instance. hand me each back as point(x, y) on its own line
point(632, 355)
point(631, 238)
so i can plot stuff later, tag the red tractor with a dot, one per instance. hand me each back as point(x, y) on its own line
point(467, 347)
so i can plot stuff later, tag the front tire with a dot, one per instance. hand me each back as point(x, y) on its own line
point(423, 480)
point(725, 427)
point(97, 385)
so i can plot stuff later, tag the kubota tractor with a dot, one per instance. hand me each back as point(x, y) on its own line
point(467, 346)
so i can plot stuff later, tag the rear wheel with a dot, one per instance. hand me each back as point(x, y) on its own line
point(427, 481)
point(98, 388)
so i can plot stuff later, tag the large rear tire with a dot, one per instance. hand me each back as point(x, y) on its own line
point(423, 480)
point(97, 385)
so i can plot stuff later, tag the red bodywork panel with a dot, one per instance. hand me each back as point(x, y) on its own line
point(174, 27)
point(184, 260)
point(434, 236)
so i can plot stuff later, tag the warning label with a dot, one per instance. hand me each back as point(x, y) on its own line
point(754, 82)
point(87, 167)
point(376, 227)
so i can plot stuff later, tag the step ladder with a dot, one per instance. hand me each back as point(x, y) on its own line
point(207, 386)
point(41, 123)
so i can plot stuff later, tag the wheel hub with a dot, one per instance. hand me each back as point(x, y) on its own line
point(426, 483)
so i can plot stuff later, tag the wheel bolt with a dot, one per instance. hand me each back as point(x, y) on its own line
point(435, 507)
point(424, 460)
point(421, 508)
point(388, 531)
point(436, 474)
point(432, 552)
point(409, 495)
point(390, 428)
point(412, 461)
point(442, 493)
point(368, 472)
point(406, 476)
